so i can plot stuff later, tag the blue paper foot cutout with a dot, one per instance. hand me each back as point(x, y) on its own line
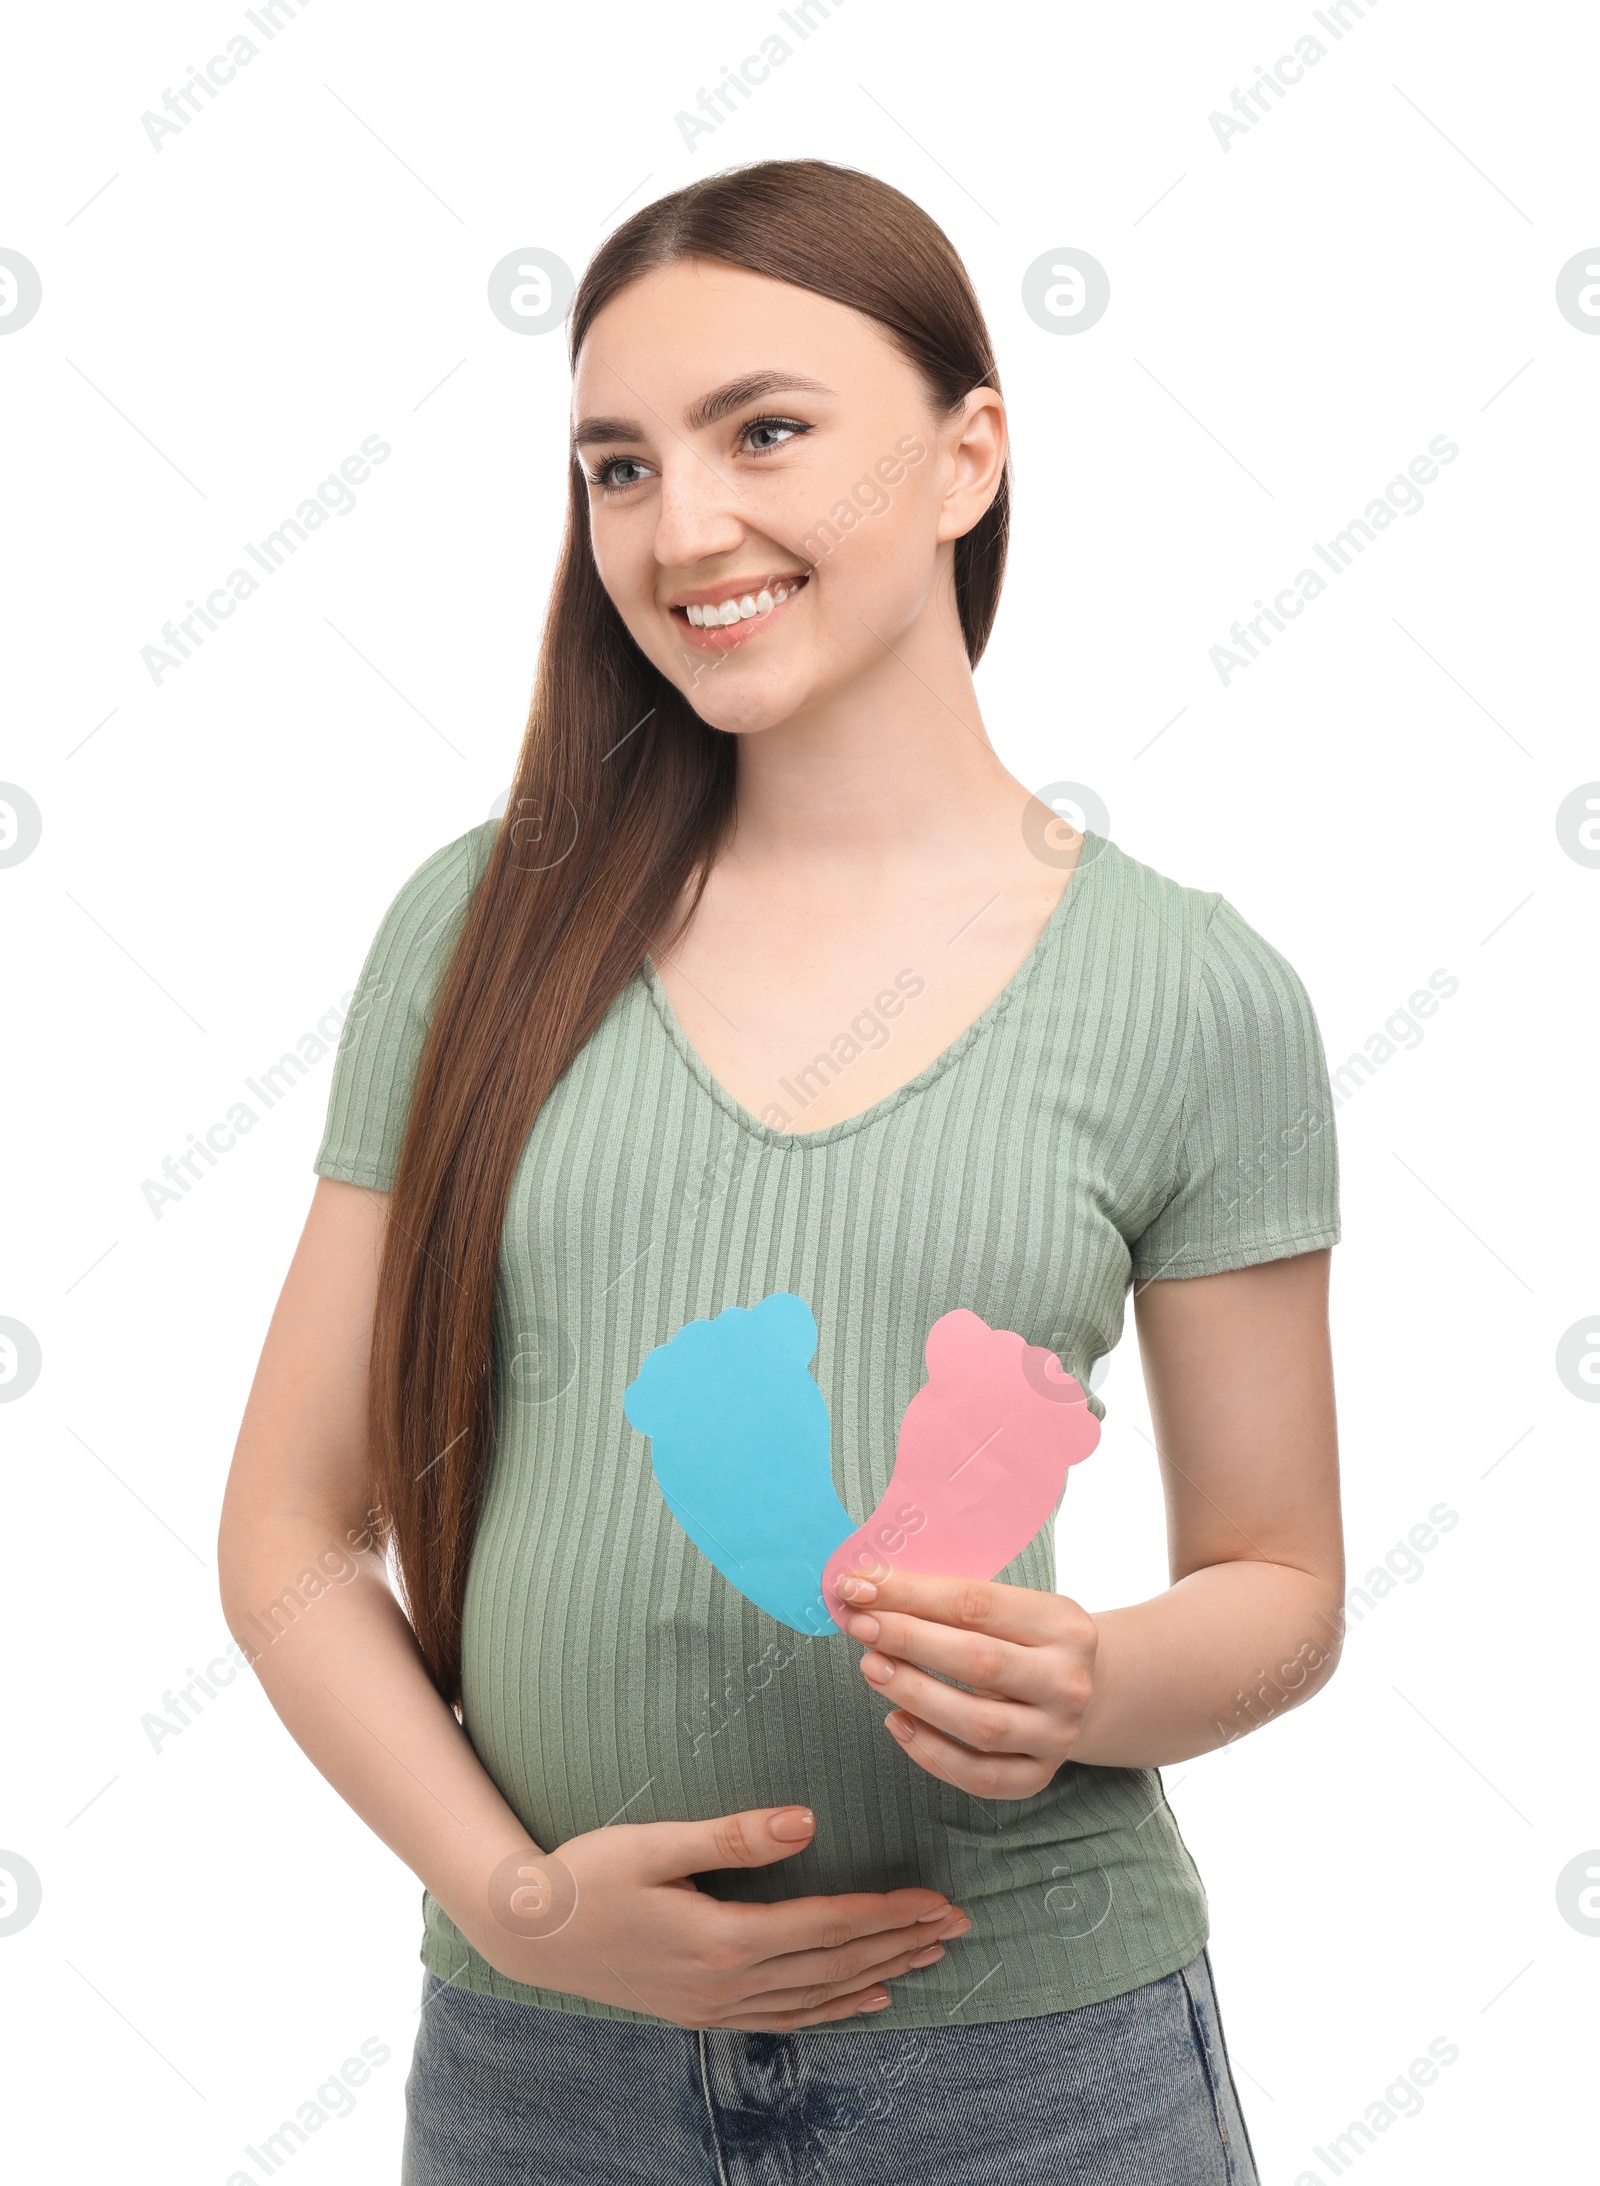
point(739, 1438)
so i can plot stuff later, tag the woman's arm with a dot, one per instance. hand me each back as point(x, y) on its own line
point(308, 1598)
point(1240, 1382)
point(1241, 1394)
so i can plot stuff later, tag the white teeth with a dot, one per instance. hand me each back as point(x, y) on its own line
point(743, 609)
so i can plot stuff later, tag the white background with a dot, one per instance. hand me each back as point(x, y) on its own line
point(1292, 319)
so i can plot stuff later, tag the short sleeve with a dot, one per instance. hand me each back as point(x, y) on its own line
point(380, 1042)
point(1256, 1163)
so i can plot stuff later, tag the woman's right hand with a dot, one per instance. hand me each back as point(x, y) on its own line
point(615, 1915)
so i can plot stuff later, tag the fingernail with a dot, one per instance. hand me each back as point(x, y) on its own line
point(864, 1628)
point(898, 1725)
point(957, 1927)
point(858, 1590)
point(877, 1667)
point(791, 1824)
point(875, 2003)
point(940, 1912)
point(930, 1956)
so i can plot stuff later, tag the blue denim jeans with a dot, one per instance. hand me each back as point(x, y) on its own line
point(1135, 2091)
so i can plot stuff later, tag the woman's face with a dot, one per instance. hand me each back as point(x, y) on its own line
point(773, 499)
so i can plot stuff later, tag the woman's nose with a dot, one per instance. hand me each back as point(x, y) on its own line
point(698, 512)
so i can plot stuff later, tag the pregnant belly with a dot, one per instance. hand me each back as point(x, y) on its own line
point(613, 1676)
point(668, 1697)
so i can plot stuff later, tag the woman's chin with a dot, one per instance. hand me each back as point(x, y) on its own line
point(769, 701)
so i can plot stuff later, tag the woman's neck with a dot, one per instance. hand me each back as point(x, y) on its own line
point(896, 772)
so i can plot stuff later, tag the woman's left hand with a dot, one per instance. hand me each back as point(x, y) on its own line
point(1029, 1658)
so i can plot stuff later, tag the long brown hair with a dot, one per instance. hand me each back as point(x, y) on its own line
point(621, 799)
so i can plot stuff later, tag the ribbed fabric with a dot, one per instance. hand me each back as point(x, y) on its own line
point(1147, 1098)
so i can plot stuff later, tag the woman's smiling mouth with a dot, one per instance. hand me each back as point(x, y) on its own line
point(720, 617)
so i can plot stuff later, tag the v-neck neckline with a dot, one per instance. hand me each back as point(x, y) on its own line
point(830, 1133)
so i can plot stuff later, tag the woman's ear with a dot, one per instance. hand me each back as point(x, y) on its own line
point(972, 446)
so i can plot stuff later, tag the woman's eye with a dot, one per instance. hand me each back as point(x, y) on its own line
point(606, 478)
point(770, 425)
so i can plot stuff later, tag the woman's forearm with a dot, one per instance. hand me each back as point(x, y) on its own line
point(340, 1664)
point(1219, 1654)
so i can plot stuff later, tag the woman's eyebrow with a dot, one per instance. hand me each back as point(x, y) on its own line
point(720, 403)
point(751, 387)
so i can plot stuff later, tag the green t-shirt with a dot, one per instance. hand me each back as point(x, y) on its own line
point(1146, 1098)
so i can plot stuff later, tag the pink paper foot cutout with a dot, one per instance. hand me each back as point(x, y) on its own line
point(980, 1461)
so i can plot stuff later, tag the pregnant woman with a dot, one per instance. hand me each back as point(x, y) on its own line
point(738, 1157)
